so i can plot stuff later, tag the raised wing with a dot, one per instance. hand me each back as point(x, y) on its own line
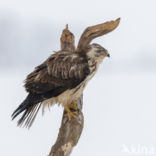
point(61, 71)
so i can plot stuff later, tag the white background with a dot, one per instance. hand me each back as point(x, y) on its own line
point(119, 103)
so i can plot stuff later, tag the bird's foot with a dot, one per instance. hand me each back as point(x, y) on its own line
point(72, 111)
point(73, 106)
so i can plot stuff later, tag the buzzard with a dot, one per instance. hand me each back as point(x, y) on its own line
point(60, 79)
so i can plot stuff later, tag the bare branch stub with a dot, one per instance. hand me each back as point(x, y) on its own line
point(95, 31)
point(67, 40)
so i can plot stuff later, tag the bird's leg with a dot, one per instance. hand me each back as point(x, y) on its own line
point(72, 110)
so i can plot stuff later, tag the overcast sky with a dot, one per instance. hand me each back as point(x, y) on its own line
point(30, 30)
point(119, 108)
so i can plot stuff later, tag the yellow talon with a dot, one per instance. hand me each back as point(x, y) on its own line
point(73, 106)
point(72, 113)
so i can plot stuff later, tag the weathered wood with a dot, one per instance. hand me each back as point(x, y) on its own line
point(67, 40)
point(70, 130)
point(69, 133)
point(95, 31)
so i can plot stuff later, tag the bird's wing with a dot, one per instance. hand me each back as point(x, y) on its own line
point(59, 72)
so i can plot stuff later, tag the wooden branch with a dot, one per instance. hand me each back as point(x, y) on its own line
point(70, 130)
point(69, 133)
point(95, 31)
point(67, 40)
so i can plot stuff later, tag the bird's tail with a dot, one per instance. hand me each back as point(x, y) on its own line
point(30, 107)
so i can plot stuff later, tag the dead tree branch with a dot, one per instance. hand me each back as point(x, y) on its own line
point(67, 40)
point(70, 130)
point(93, 32)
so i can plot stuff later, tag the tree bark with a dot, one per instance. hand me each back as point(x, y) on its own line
point(70, 130)
point(95, 31)
point(69, 133)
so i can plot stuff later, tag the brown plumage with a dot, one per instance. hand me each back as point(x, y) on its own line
point(60, 79)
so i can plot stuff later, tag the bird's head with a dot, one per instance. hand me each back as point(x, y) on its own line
point(96, 51)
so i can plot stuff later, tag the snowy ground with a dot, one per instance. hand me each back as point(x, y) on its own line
point(119, 111)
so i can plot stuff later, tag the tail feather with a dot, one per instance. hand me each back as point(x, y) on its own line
point(19, 110)
point(29, 115)
point(30, 106)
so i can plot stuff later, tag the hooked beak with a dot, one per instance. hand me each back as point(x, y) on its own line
point(108, 55)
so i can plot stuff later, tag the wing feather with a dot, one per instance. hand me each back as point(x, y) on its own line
point(60, 70)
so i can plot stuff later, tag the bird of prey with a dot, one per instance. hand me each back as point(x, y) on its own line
point(61, 79)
